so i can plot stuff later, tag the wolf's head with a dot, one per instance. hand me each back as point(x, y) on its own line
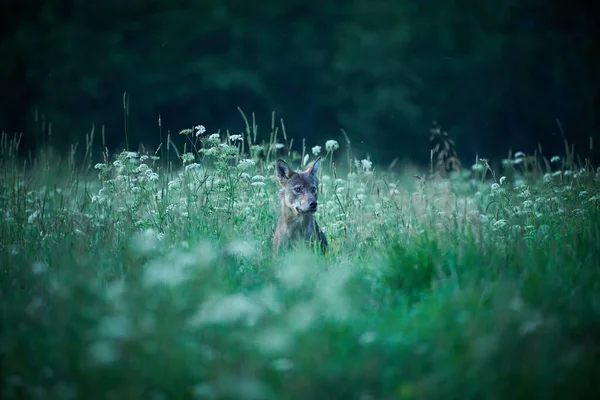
point(300, 189)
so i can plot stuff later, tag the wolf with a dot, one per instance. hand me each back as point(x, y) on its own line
point(298, 197)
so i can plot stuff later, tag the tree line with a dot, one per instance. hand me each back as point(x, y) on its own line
point(495, 75)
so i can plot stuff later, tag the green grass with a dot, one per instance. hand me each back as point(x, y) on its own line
point(133, 276)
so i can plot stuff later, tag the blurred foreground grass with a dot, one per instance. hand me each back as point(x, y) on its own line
point(147, 277)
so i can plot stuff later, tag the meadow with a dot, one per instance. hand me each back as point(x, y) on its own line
point(150, 275)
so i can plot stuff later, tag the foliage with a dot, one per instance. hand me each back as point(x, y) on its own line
point(490, 73)
point(154, 279)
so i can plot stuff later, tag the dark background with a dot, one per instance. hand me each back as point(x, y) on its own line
point(495, 74)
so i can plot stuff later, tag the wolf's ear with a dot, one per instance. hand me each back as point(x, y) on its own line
point(283, 172)
point(315, 167)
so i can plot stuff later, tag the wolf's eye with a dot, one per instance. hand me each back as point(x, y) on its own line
point(298, 189)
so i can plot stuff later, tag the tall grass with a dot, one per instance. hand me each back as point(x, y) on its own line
point(135, 276)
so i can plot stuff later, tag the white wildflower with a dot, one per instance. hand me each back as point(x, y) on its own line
point(555, 159)
point(209, 152)
point(568, 172)
point(501, 223)
point(192, 166)
point(258, 178)
point(259, 184)
point(502, 179)
point(366, 165)
point(495, 186)
point(241, 248)
point(200, 129)
point(142, 168)
point(214, 138)
point(331, 145)
point(101, 166)
point(187, 158)
point(519, 154)
point(583, 193)
point(162, 272)
point(235, 138)
point(527, 203)
point(582, 172)
point(316, 150)
point(245, 164)
point(227, 310)
point(367, 337)
point(98, 199)
point(146, 241)
point(39, 268)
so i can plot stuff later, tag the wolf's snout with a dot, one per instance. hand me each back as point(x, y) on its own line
point(313, 205)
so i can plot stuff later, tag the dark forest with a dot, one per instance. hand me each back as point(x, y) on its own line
point(495, 75)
